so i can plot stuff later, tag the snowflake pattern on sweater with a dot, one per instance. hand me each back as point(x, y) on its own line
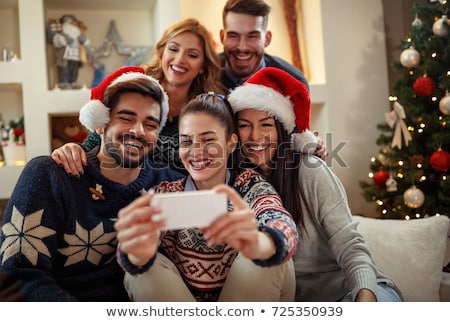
point(204, 268)
point(58, 240)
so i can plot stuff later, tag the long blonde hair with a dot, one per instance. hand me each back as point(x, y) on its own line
point(205, 82)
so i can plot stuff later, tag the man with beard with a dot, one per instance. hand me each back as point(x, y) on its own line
point(58, 239)
point(244, 37)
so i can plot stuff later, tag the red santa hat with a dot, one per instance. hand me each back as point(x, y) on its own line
point(94, 114)
point(275, 91)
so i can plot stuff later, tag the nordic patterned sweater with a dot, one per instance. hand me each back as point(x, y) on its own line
point(58, 237)
point(189, 251)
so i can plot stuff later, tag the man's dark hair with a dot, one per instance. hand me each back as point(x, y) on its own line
point(257, 8)
point(138, 85)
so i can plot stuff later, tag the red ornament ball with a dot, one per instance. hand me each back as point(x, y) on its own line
point(380, 178)
point(440, 160)
point(424, 86)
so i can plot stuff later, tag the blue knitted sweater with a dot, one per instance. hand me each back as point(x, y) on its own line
point(58, 237)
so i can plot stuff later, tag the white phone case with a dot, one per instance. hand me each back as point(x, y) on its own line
point(190, 208)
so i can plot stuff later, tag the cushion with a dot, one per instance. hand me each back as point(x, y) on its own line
point(410, 252)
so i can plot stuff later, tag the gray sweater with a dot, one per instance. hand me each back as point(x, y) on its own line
point(332, 258)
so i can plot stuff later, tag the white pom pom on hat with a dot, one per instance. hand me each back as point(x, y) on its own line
point(275, 91)
point(94, 114)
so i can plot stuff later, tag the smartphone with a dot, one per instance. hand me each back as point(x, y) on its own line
point(190, 208)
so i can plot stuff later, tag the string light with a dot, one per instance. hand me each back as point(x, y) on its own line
point(417, 215)
point(434, 98)
point(400, 175)
point(370, 175)
point(400, 163)
point(379, 202)
point(407, 217)
point(419, 165)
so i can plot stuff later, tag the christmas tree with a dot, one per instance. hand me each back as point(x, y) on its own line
point(410, 177)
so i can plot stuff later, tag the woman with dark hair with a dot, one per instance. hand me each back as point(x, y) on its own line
point(244, 255)
point(332, 262)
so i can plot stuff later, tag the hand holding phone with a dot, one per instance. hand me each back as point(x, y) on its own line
point(190, 208)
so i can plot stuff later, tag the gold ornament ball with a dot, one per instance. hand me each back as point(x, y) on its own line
point(444, 105)
point(410, 57)
point(440, 27)
point(414, 197)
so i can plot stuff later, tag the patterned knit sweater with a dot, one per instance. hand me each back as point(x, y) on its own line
point(204, 268)
point(58, 237)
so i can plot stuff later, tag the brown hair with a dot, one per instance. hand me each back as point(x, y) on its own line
point(140, 85)
point(214, 105)
point(257, 8)
point(204, 82)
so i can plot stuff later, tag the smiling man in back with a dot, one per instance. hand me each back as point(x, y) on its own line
point(244, 38)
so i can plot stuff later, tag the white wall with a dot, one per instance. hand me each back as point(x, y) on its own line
point(357, 86)
point(347, 54)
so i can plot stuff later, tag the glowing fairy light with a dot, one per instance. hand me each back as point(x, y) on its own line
point(392, 98)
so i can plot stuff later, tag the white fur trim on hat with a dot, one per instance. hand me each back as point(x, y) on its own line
point(164, 110)
point(94, 114)
point(260, 97)
point(305, 141)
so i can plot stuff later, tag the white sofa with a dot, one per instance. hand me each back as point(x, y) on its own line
point(412, 253)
